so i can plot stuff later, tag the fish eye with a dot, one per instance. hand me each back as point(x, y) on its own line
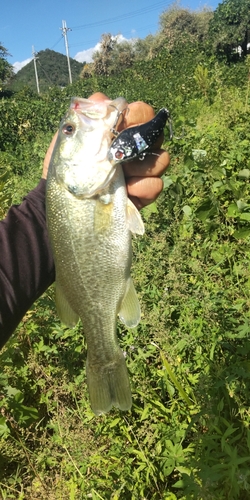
point(68, 129)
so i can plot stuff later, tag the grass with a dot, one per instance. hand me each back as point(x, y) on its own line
point(187, 436)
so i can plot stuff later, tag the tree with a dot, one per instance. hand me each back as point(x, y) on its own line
point(6, 70)
point(230, 28)
point(146, 48)
point(103, 57)
point(179, 25)
point(123, 55)
point(87, 71)
point(115, 55)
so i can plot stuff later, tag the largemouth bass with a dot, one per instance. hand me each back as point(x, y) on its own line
point(90, 221)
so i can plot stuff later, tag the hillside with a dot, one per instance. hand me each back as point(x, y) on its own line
point(52, 69)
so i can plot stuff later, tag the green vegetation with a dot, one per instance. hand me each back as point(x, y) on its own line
point(187, 436)
point(230, 27)
point(52, 69)
point(6, 70)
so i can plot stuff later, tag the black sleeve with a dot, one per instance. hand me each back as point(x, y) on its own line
point(26, 263)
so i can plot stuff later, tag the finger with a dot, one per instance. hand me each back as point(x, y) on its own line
point(137, 112)
point(98, 96)
point(140, 202)
point(136, 202)
point(144, 190)
point(153, 165)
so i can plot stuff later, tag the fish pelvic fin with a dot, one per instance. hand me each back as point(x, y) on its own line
point(134, 220)
point(108, 385)
point(130, 311)
point(65, 312)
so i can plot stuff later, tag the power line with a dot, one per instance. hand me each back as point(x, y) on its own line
point(61, 37)
point(46, 75)
point(121, 17)
point(123, 33)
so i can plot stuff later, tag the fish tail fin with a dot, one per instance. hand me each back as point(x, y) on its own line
point(108, 385)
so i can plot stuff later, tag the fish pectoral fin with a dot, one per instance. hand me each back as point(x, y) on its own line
point(134, 220)
point(108, 385)
point(65, 311)
point(130, 311)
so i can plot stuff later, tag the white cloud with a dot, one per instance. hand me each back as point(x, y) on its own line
point(120, 38)
point(87, 55)
point(18, 65)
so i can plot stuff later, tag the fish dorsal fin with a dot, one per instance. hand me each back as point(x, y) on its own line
point(64, 310)
point(130, 311)
point(134, 220)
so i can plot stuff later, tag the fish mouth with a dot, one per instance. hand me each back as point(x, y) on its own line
point(91, 109)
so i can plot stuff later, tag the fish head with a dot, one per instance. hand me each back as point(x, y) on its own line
point(79, 161)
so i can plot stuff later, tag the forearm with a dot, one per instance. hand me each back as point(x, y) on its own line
point(26, 263)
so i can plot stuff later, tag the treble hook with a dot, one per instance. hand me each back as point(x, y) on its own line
point(119, 113)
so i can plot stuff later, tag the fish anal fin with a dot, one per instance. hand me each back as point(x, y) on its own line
point(65, 312)
point(130, 311)
point(108, 385)
point(134, 220)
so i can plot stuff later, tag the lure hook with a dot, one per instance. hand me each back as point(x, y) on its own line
point(119, 113)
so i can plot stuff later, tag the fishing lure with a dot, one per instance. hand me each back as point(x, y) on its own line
point(133, 142)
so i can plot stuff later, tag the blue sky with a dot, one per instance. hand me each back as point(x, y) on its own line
point(24, 23)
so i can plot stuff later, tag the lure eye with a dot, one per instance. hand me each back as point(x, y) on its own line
point(119, 154)
point(68, 129)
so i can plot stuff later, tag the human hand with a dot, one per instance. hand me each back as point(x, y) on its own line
point(143, 178)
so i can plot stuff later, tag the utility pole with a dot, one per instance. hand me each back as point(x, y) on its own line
point(64, 32)
point(34, 59)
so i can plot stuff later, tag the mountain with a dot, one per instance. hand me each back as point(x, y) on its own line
point(52, 69)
